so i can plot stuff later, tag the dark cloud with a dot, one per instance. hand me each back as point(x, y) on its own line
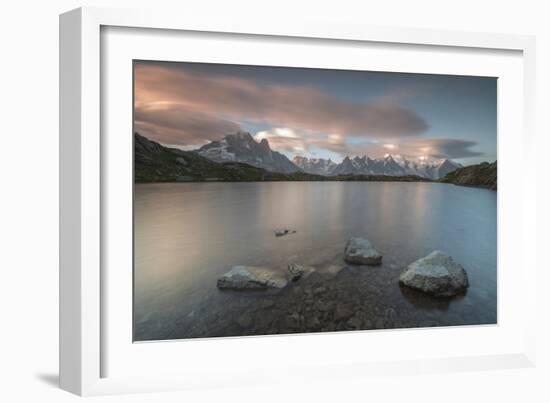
point(451, 148)
point(235, 99)
point(435, 148)
point(173, 124)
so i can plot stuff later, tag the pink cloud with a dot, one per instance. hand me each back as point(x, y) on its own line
point(294, 143)
point(234, 99)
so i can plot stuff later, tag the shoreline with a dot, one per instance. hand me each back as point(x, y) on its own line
point(429, 181)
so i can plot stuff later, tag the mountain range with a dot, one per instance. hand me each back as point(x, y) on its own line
point(391, 165)
point(242, 147)
point(154, 162)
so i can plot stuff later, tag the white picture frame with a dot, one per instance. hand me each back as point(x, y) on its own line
point(90, 341)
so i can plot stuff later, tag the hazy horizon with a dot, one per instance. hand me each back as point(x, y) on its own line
point(318, 113)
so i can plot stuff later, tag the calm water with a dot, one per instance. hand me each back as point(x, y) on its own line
point(188, 234)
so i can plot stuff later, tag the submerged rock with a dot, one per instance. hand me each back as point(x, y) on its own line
point(252, 277)
point(360, 251)
point(436, 274)
point(297, 271)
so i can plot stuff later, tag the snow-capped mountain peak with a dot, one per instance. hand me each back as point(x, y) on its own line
point(318, 165)
point(242, 147)
point(389, 164)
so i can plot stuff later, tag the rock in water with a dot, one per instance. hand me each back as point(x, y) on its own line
point(252, 278)
point(283, 232)
point(360, 251)
point(297, 271)
point(436, 274)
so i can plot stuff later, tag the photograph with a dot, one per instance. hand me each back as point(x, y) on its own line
point(273, 200)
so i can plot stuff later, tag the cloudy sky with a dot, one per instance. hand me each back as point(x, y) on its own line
point(318, 113)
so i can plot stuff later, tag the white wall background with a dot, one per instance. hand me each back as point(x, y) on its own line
point(29, 200)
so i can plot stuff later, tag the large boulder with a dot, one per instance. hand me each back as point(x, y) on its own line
point(360, 251)
point(252, 278)
point(436, 274)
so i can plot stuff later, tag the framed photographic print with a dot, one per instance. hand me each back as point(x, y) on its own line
point(306, 225)
point(237, 197)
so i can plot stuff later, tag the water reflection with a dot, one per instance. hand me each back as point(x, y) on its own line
point(420, 301)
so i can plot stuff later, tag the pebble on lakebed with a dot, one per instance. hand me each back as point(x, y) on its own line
point(298, 271)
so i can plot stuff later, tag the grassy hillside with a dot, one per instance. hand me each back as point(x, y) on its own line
point(156, 163)
point(482, 175)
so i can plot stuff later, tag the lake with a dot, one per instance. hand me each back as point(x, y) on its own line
point(188, 234)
